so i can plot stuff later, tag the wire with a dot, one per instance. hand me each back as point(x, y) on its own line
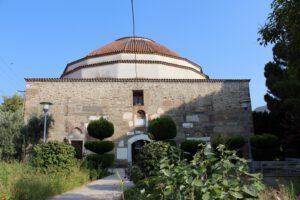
point(134, 39)
point(9, 67)
point(133, 19)
point(11, 77)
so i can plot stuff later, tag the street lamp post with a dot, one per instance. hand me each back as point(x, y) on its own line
point(245, 106)
point(45, 109)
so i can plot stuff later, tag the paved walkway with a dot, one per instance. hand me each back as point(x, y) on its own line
point(107, 188)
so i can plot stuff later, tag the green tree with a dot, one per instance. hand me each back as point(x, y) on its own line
point(10, 137)
point(34, 129)
point(11, 121)
point(12, 104)
point(265, 122)
point(283, 73)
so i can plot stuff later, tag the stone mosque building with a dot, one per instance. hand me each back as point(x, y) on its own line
point(130, 82)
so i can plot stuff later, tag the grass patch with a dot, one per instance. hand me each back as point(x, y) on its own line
point(20, 181)
point(284, 192)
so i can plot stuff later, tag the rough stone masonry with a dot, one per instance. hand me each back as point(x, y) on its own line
point(200, 108)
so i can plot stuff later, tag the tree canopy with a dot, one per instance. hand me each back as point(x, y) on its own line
point(283, 73)
point(11, 121)
point(12, 103)
point(34, 129)
point(10, 125)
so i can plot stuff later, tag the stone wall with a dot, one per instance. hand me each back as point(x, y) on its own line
point(199, 107)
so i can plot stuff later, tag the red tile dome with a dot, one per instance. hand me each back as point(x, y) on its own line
point(134, 45)
point(133, 57)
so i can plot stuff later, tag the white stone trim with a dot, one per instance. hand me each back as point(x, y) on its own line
point(127, 70)
point(131, 56)
point(131, 141)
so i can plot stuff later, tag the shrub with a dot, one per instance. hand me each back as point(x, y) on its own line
point(292, 147)
point(152, 153)
point(150, 184)
point(192, 146)
point(206, 177)
point(235, 142)
point(96, 161)
point(265, 147)
point(99, 147)
point(100, 129)
point(231, 142)
point(134, 173)
point(171, 142)
point(54, 156)
point(162, 128)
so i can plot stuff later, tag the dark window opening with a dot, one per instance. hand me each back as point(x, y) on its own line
point(138, 98)
point(141, 114)
point(78, 148)
point(140, 119)
point(136, 148)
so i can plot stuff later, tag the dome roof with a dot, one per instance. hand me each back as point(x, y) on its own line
point(133, 57)
point(133, 45)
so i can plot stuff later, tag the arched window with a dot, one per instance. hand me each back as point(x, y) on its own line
point(77, 130)
point(140, 118)
point(141, 114)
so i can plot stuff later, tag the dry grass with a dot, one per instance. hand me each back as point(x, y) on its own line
point(19, 181)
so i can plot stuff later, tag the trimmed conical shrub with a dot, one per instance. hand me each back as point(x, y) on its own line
point(162, 128)
point(100, 129)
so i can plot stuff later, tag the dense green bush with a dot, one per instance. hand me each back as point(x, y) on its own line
point(102, 161)
point(192, 146)
point(10, 136)
point(162, 128)
point(171, 142)
point(208, 176)
point(231, 142)
point(54, 156)
point(100, 129)
point(235, 142)
point(134, 173)
point(265, 147)
point(99, 147)
point(152, 153)
point(264, 141)
point(292, 147)
point(149, 185)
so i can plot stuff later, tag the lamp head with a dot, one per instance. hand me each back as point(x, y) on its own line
point(46, 106)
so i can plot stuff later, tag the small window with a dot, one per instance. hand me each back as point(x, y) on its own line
point(138, 98)
point(140, 119)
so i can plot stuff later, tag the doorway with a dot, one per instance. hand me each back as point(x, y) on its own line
point(136, 148)
point(78, 145)
point(132, 140)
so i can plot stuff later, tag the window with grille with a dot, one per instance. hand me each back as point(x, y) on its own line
point(138, 97)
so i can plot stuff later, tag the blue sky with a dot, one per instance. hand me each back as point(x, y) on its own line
point(38, 38)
